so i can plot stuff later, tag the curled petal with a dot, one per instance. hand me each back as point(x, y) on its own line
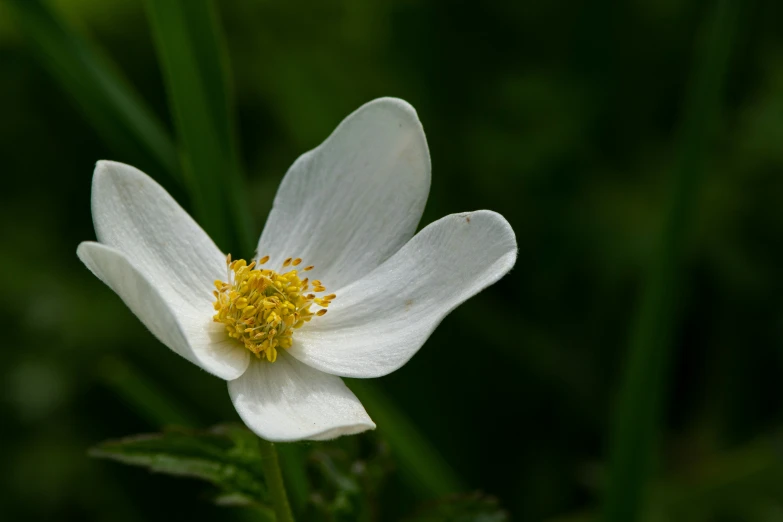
point(377, 324)
point(184, 327)
point(289, 401)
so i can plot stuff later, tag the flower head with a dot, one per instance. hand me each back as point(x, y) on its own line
point(344, 218)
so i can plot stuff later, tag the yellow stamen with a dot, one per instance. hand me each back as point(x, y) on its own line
point(261, 308)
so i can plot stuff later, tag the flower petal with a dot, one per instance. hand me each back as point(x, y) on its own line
point(378, 323)
point(288, 401)
point(136, 216)
point(350, 203)
point(182, 326)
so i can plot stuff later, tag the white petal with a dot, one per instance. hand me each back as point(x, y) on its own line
point(136, 216)
point(378, 323)
point(288, 401)
point(350, 203)
point(187, 328)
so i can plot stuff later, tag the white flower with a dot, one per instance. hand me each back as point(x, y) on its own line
point(349, 208)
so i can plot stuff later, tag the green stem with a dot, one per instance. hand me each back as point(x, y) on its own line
point(274, 481)
point(638, 417)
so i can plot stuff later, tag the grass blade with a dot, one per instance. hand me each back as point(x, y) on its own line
point(419, 462)
point(106, 99)
point(145, 397)
point(638, 413)
point(192, 54)
point(720, 484)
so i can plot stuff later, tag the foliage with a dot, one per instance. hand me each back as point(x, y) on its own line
point(560, 115)
point(227, 456)
point(345, 476)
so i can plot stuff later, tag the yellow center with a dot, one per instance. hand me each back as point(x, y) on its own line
point(262, 308)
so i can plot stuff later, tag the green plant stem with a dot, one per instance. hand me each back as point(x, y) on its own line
point(642, 393)
point(274, 481)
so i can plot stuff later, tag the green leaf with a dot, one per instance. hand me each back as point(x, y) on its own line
point(195, 66)
point(108, 102)
point(347, 477)
point(473, 507)
point(337, 494)
point(226, 456)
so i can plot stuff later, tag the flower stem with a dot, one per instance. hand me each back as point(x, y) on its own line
point(274, 481)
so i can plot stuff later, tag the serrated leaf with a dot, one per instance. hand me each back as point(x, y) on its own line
point(227, 456)
point(261, 513)
point(472, 507)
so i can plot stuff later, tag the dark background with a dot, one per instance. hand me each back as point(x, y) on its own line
point(563, 116)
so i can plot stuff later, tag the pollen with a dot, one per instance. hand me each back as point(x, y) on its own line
point(262, 308)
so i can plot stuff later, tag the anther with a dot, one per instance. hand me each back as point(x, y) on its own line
point(261, 308)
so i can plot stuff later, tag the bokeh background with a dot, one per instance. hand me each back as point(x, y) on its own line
point(570, 118)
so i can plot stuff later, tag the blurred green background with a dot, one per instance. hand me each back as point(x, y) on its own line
point(578, 121)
